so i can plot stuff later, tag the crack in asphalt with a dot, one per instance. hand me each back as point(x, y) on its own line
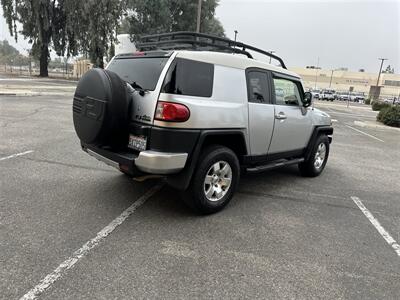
point(23, 118)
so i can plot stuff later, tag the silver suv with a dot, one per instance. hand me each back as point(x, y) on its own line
point(199, 110)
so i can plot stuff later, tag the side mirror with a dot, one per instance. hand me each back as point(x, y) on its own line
point(307, 100)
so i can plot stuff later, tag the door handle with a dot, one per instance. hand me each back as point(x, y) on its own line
point(280, 116)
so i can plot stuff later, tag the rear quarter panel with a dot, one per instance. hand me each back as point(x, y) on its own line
point(226, 108)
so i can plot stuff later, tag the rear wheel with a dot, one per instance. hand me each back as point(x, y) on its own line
point(318, 158)
point(214, 180)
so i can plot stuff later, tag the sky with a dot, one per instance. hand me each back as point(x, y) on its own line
point(352, 34)
point(332, 33)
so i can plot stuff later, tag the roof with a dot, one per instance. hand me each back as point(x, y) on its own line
point(231, 60)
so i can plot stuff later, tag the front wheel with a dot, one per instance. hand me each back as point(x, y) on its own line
point(214, 180)
point(318, 158)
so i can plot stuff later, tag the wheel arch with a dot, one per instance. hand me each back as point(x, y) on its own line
point(318, 130)
point(233, 139)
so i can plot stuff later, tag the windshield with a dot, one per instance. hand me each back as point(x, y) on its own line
point(145, 72)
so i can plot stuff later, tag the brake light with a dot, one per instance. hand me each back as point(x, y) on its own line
point(171, 112)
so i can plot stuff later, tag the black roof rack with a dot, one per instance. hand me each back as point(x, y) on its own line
point(198, 41)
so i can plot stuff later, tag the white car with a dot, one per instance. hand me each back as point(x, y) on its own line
point(327, 95)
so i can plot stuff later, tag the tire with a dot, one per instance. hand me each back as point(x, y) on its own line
point(312, 167)
point(204, 198)
point(101, 109)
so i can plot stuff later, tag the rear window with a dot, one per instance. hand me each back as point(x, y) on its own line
point(190, 78)
point(144, 71)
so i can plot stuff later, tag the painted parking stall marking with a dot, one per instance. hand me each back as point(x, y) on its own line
point(388, 238)
point(16, 155)
point(47, 281)
point(366, 134)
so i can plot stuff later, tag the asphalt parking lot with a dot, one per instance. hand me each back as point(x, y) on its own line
point(282, 236)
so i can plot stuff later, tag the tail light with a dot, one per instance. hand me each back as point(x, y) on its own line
point(172, 112)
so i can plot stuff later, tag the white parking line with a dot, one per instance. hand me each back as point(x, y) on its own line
point(367, 134)
point(16, 155)
point(388, 238)
point(47, 281)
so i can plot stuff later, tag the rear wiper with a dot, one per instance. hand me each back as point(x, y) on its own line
point(137, 87)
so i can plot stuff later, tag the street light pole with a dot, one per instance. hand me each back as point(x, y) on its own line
point(380, 70)
point(316, 75)
point(330, 82)
point(198, 16)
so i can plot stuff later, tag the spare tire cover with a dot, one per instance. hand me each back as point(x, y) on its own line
point(100, 108)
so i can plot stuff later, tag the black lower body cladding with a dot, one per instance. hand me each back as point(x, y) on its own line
point(101, 108)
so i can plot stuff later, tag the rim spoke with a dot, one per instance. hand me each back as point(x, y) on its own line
point(208, 179)
point(225, 182)
point(216, 167)
point(219, 193)
point(210, 192)
point(225, 170)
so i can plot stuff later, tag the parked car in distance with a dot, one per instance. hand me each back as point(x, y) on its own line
point(328, 95)
point(343, 96)
point(315, 93)
point(392, 100)
point(357, 97)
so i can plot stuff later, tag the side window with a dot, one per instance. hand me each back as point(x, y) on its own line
point(257, 87)
point(286, 92)
point(190, 78)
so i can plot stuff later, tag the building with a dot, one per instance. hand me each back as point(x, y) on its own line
point(341, 80)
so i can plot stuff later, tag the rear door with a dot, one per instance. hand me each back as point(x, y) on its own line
point(261, 110)
point(292, 122)
point(145, 70)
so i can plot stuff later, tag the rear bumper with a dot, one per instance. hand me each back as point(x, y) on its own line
point(155, 162)
point(146, 162)
point(169, 151)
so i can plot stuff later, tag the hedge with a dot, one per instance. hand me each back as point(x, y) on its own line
point(378, 105)
point(390, 115)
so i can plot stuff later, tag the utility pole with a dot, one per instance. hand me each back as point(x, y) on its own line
point(198, 16)
point(380, 70)
point(270, 58)
point(316, 75)
point(330, 82)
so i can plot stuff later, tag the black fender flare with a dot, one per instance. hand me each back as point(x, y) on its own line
point(182, 180)
point(318, 130)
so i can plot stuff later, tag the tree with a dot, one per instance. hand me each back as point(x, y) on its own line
point(10, 55)
point(158, 16)
point(388, 70)
point(100, 20)
point(68, 26)
point(7, 50)
point(40, 20)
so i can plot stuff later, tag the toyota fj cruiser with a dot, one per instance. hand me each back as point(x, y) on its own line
point(199, 110)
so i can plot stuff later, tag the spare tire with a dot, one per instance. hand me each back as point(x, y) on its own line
point(101, 108)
